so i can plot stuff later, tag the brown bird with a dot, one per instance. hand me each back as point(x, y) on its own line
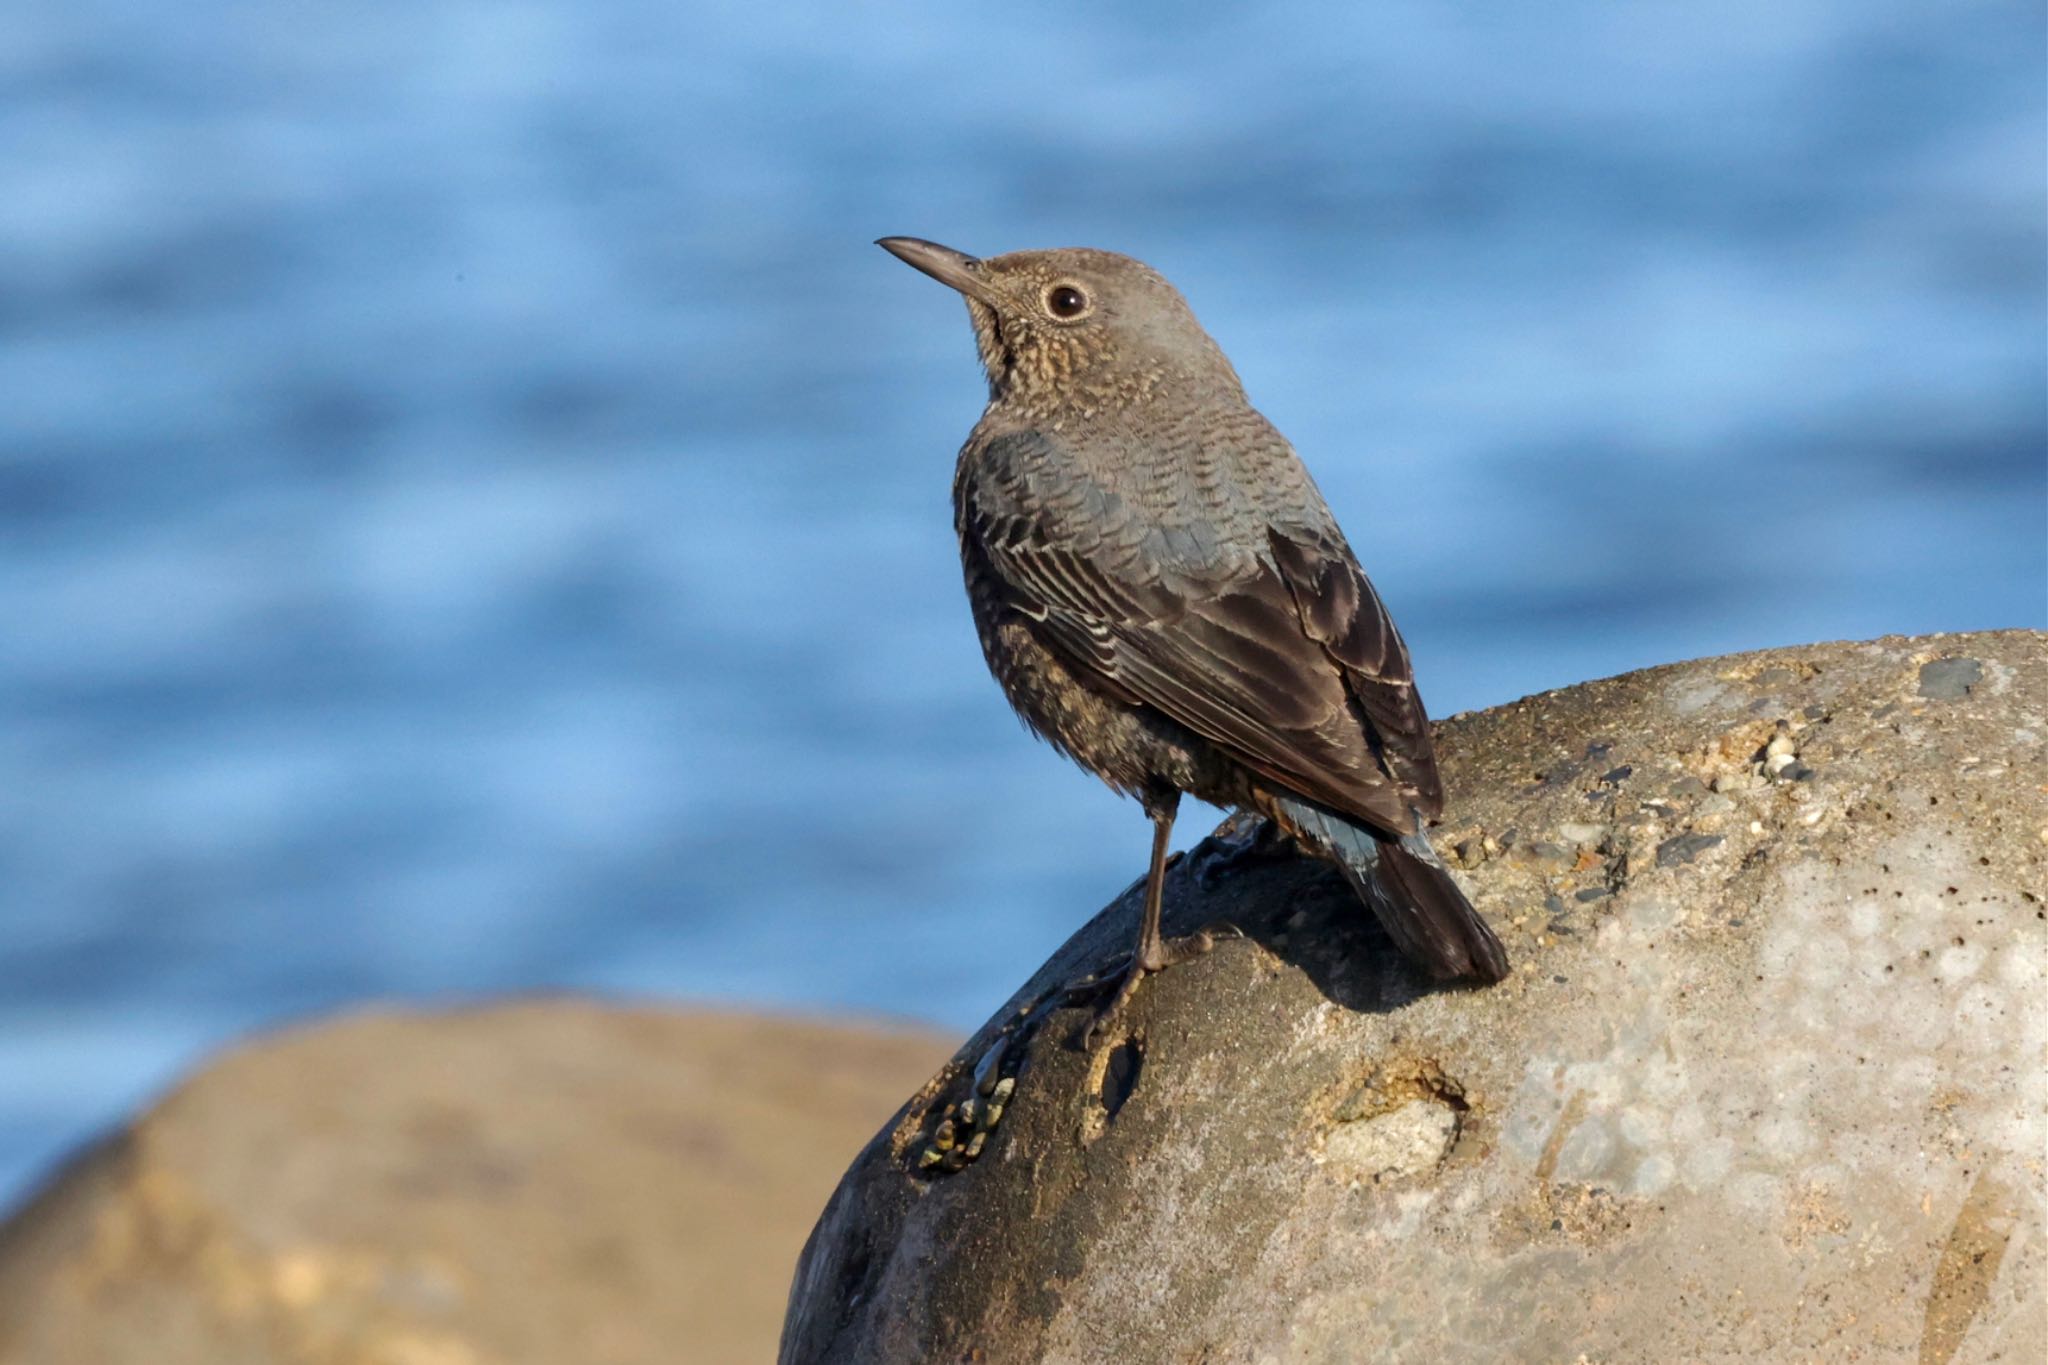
point(1163, 594)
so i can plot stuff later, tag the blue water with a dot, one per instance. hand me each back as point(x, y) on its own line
point(473, 503)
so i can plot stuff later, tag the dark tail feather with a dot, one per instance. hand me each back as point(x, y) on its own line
point(1407, 888)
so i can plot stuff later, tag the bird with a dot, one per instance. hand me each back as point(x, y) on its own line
point(1163, 594)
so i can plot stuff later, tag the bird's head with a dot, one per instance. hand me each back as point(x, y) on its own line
point(1073, 327)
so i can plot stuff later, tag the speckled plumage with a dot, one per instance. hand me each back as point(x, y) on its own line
point(1163, 594)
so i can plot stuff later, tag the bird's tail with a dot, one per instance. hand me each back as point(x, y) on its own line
point(1406, 886)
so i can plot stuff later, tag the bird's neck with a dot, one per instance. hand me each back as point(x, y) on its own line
point(1136, 397)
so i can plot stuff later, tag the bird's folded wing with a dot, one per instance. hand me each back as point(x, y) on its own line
point(1251, 651)
point(1341, 612)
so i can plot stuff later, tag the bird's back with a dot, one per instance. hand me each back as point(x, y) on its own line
point(1203, 479)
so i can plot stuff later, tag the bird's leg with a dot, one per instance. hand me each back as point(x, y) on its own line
point(1153, 952)
point(1150, 954)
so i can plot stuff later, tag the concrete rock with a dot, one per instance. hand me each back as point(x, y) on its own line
point(547, 1182)
point(1767, 1082)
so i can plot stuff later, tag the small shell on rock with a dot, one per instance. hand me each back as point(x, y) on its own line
point(986, 1070)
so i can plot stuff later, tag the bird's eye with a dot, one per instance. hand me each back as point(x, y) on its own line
point(1065, 301)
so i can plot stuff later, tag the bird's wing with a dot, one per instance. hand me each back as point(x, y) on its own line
point(1268, 655)
point(1341, 612)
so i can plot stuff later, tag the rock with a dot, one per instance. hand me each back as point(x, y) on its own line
point(1950, 679)
point(1544, 854)
point(1684, 848)
point(544, 1182)
point(1781, 1101)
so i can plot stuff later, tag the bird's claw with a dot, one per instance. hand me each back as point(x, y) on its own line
point(1132, 970)
point(1084, 988)
point(1100, 1025)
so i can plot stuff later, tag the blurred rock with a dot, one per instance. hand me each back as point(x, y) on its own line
point(548, 1181)
point(1778, 1098)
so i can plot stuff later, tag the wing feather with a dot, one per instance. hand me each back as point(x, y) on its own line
point(1341, 611)
point(1282, 654)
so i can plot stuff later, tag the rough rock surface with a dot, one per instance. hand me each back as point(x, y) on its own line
point(546, 1182)
point(1767, 1082)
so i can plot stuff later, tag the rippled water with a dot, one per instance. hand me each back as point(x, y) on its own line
point(473, 503)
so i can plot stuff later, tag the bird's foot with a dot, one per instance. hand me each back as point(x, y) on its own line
point(1166, 953)
point(960, 1131)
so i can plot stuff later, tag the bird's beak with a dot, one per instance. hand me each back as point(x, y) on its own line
point(956, 269)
